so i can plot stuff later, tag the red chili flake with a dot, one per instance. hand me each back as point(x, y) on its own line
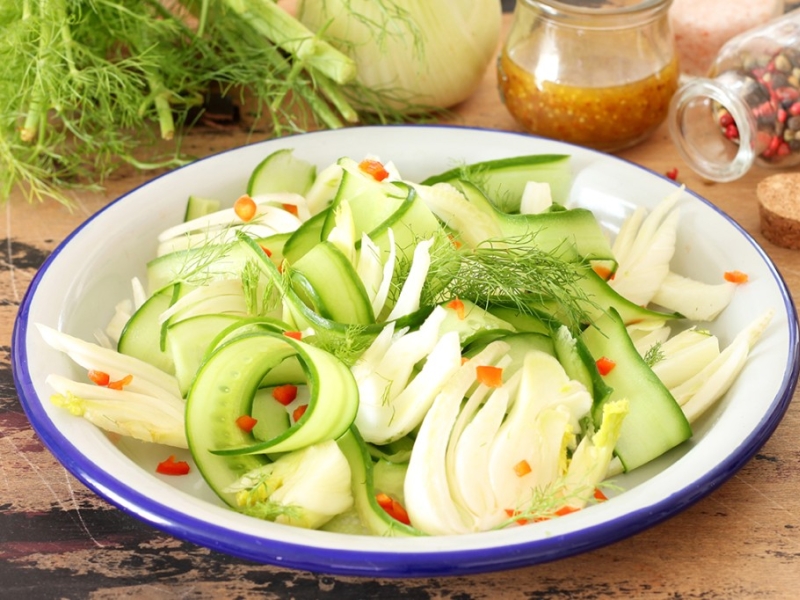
point(393, 508)
point(290, 208)
point(513, 513)
point(489, 376)
point(299, 412)
point(605, 365)
point(374, 168)
point(285, 394)
point(266, 250)
point(246, 423)
point(736, 277)
point(599, 495)
point(98, 377)
point(295, 335)
point(604, 272)
point(522, 468)
point(120, 383)
point(565, 510)
point(672, 174)
point(458, 306)
point(173, 467)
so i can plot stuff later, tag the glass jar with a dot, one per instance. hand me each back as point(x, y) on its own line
point(702, 27)
point(747, 111)
point(597, 73)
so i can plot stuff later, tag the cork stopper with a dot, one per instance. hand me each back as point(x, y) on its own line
point(779, 208)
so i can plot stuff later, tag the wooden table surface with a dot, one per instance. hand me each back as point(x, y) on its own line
point(59, 540)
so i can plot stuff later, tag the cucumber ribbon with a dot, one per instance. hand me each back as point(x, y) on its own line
point(224, 389)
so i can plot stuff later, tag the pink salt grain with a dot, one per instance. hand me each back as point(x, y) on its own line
point(701, 27)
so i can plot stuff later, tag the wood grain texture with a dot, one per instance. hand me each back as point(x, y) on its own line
point(60, 540)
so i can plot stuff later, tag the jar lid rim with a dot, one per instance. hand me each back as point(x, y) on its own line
point(598, 7)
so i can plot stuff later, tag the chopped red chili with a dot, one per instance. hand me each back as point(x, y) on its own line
point(736, 277)
point(605, 365)
point(522, 468)
point(285, 394)
point(173, 467)
point(120, 383)
point(393, 508)
point(299, 412)
point(490, 376)
point(374, 168)
point(458, 306)
point(98, 377)
point(246, 423)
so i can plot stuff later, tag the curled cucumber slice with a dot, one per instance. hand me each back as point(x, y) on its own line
point(224, 389)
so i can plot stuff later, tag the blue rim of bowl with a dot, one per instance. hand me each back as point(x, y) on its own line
point(388, 564)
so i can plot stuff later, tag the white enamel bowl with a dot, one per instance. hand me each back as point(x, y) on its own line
point(78, 286)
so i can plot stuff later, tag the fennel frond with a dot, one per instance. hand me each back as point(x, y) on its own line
point(510, 272)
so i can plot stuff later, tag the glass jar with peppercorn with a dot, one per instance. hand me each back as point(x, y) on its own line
point(597, 73)
point(747, 111)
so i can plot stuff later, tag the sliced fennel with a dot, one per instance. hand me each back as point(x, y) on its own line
point(644, 249)
point(145, 378)
point(700, 392)
point(474, 464)
point(141, 416)
point(304, 488)
point(541, 425)
point(409, 299)
point(694, 299)
point(393, 399)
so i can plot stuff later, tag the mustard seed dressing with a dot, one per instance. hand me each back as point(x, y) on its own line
point(595, 73)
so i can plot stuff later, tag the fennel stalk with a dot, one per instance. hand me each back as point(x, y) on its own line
point(90, 86)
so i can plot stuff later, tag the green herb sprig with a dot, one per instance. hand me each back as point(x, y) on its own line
point(510, 272)
point(90, 86)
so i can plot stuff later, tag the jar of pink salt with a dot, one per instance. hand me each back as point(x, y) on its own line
point(701, 27)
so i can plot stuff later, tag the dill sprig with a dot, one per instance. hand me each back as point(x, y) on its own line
point(262, 296)
point(511, 272)
point(545, 502)
point(197, 266)
point(654, 354)
point(252, 496)
point(347, 345)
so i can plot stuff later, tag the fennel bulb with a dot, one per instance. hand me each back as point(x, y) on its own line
point(304, 488)
point(418, 53)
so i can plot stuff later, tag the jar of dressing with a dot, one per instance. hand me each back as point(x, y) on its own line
point(597, 73)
